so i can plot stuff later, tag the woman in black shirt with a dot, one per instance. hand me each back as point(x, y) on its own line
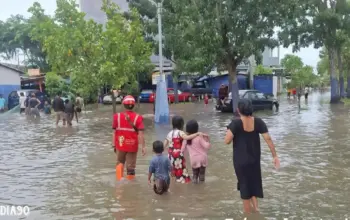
point(244, 133)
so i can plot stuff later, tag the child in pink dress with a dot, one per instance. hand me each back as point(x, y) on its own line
point(198, 150)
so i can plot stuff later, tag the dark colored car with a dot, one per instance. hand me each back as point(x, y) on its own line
point(13, 99)
point(259, 100)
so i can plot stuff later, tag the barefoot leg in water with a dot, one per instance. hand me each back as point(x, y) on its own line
point(254, 203)
point(246, 206)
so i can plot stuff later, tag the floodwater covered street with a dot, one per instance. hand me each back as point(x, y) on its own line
point(69, 173)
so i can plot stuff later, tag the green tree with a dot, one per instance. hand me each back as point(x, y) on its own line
point(204, 34)
point(319, 22)
point(291, 63)
point(346, 57)
point(125, 51)
point(15, 40)
point(53, 83)
point(90, 55)
point(260, 69)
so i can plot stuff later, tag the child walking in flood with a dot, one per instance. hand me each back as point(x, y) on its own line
point(206, 99)
point(160, 168)
point(198, 151)
point(174, 143)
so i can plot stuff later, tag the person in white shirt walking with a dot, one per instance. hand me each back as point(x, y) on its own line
point(22, 105)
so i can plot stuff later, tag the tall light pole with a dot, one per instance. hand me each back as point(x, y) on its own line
point(161, 115)
point(160, 36)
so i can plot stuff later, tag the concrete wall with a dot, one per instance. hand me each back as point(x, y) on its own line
point(10, 80)
point(269, 59)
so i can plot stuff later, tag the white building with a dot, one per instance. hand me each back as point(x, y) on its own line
point(10, 80)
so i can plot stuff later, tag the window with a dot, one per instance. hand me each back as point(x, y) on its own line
point(172, 92)
point(250, 95)
point(241, 93)
point(147, 91)
point(260, 95)
point(13, 94)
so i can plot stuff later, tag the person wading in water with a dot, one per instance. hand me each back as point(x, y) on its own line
point(69, 111)
point(22, 104)
point(129, 131)
point(79, 103)
point(33, 105)
point(58, 107)
point(244, 133)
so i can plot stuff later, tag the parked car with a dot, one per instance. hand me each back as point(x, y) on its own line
point(259, 100)
point(13, 99)
point(183, 96)
point(107, 99)
point(145, 95)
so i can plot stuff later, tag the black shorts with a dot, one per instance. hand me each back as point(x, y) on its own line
point(78, 109)
point(22, 110)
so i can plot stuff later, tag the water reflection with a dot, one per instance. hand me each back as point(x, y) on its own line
point(68, 173)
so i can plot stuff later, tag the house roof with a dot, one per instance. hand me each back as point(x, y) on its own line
point(11, 68)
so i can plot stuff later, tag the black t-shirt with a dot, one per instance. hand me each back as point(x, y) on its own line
point(246, 145)
point(58, 105)
point(33, 102)
point(69, 107)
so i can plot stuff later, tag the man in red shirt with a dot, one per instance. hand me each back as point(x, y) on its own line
point(129, 133)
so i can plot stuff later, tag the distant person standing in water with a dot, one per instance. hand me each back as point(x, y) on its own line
point(206, 99)
point(26, 104)
point(33, 105)
point(22, 104)
point(2, 103)
point(306, 92)
point(244, 133)
point(58, 107)
point(69, 111)
point(47, 108)
point(79, 103)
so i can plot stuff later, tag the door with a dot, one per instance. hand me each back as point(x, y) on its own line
point(251, 95)
point(171, 95)
point(265, 102)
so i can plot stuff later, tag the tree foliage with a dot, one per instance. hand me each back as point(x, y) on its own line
point(15, 40)
point(203, 34)
point(321, 23)
point(301, 75)
point(260, 69)
point(54, 84)
point(92, 56)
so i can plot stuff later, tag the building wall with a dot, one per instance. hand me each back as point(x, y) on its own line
point(10, 80)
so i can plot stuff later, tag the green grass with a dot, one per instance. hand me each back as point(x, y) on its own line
point(346, 101)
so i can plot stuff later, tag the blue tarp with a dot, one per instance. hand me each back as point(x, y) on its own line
point(264, 83)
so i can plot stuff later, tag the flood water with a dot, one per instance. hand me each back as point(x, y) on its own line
point(69, 173)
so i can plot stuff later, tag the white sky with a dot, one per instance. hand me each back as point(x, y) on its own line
point(12, 7)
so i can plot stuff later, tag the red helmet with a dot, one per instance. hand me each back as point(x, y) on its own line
point(128, 100)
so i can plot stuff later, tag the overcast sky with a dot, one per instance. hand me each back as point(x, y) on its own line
point(11, 7)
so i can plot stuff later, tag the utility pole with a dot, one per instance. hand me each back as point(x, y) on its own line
point(160, 36)
point(161, 115)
